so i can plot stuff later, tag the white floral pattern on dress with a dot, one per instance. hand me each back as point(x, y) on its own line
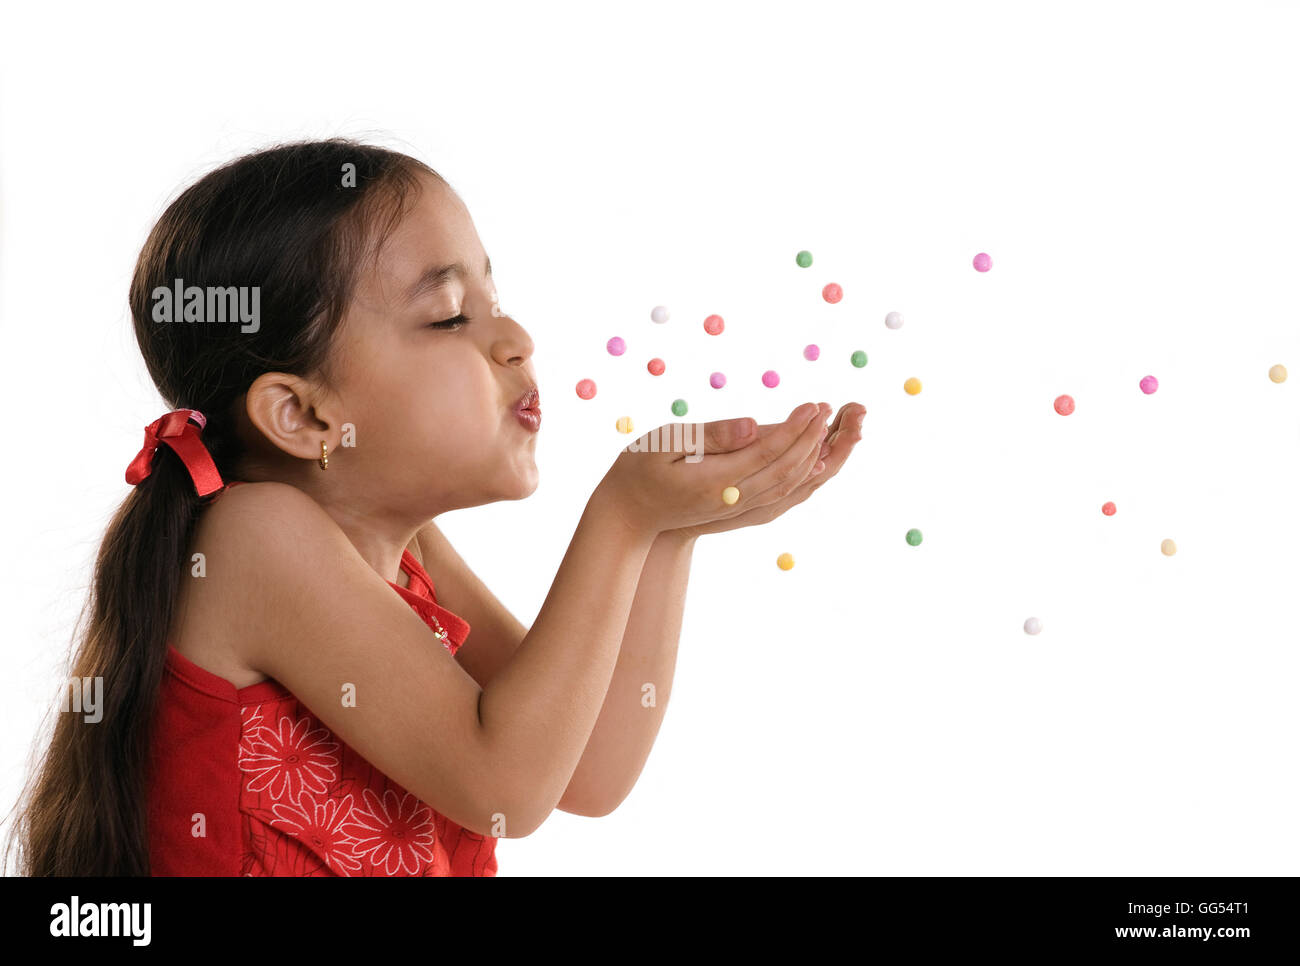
point(250, 725)
point(319, 826)
point(396, 833)
point(292, 757)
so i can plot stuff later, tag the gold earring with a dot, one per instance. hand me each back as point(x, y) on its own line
point(324, 459)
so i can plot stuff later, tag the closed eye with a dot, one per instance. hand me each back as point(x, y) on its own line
point(450, 323)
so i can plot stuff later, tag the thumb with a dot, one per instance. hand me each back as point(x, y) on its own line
point(728, 435)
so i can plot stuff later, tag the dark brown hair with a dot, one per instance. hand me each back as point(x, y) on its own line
point(285, 219)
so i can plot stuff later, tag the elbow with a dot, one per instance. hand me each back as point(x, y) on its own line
point(525, 818)
point(514, 817)
point(595, 807)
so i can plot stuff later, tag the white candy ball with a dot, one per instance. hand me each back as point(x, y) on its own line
point(659, 314)
point(1033, 625)
point(894, 321)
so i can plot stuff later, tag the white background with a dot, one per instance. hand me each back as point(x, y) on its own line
point(1131, 169)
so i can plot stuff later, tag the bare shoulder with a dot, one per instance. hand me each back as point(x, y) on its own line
point(224, 604)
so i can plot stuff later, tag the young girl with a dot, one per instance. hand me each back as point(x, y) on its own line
point(274, 697)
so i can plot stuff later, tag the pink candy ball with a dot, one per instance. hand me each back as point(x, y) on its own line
point(616, 346)
point(832, 293)
point(811, 352)
point(1149, 385)
point(586, 389)
point(1064, 405)
point(713, 325)
point(983, 262)
point(770, 378)
point(656, 367)
point(717, 380)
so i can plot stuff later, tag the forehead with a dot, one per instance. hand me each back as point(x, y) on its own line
point(435, 230)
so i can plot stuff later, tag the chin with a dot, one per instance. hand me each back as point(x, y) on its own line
point(529, 488)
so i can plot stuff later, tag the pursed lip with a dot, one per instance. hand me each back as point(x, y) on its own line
point(530, 401)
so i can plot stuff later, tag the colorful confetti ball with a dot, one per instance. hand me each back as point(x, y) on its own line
point(1149, 384)
point(1108, 509)
point(717, 380)
point(893, 321)
point(1277, 373)
point(1168, 548)
point(914, 538)
point(624, 424)
point(785, 561)
point(730, 495)
point(770, 378)
point(1064, 405)
point(982, 262)
point(655, 367)
point(859, 359)
point(803, 259)
point(912, 386)
point(659, 314)
point(616, 346)
point(1033, 625)
point(713, 325)
point(679, 407)
point(832, 293)
point(586, 389)
point(811, 352)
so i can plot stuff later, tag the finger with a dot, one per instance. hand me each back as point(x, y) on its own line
point(840, 418)
point(848, 424)
point(791, 468)
point(765, 429)
point(727, 435)
point(766, 448)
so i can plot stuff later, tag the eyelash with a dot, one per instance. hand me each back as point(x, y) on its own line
point(461, 319)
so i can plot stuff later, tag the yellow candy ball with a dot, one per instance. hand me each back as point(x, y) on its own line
point(912, 386)
point(730, 495)
point(624, 424)
point(1277, 373)
point(1168, 548)
point(785, 561)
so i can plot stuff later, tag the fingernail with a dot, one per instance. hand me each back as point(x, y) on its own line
point(746, 429)
point(818, 467)
point(825, 451)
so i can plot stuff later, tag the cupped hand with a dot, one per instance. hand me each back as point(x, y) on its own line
point(844, 433)
point(658, 488)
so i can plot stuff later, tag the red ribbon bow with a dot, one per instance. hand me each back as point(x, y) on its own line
point(176, 430)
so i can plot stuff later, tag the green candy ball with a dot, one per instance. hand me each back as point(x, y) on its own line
point(803, 259)
point(679, 407)
point(859, 358)
point(914, 537)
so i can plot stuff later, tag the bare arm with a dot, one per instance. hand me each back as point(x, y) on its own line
point(537, 714)
point(632, 713)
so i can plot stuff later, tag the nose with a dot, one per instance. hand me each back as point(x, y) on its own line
point(512, 347)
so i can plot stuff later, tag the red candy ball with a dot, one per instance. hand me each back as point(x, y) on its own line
point(1064, 405)
point(1108, 509)
point(832, 293)
point(586, 389)
point(713, 325)
point(656, 367)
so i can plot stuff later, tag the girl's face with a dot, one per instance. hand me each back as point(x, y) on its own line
point(433, 404)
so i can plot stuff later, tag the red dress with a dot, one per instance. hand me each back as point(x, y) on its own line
point(248, 781)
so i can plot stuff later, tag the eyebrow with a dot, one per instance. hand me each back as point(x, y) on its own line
point(436, 276)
